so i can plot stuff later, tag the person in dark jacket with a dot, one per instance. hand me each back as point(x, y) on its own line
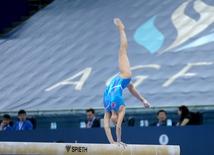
point(185, 117)
point(92, 121)
point(161, 115)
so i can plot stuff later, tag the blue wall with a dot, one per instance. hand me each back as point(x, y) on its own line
point(193, 140)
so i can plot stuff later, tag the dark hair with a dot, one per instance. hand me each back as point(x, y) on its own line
point(6, 116)
point(161, 111)
point(21, 112)
point(184, 111)
point(92, 110)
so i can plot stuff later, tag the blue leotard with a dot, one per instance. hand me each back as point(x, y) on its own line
point(113, 93)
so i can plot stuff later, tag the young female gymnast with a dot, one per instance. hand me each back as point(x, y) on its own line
point(113, 100)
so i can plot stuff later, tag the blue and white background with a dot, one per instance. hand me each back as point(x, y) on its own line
point(65, 55)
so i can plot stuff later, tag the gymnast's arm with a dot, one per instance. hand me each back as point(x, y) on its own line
point(121, 114)
point(107, 117)
point(136, 94)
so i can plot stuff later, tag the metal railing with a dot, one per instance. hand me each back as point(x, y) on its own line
point(101, 110)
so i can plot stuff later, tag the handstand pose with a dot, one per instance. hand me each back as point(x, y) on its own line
point(113, 100)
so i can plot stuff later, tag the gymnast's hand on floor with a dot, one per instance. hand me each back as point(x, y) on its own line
point(145, 103)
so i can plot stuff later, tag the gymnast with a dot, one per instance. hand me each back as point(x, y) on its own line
point(113, 100)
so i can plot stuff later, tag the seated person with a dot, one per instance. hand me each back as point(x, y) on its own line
point(161, 115)
point(5, 124)
point(92, 121)
point(185, 117)
point(23, 124)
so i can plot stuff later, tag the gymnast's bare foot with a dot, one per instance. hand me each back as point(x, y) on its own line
point(119, 24)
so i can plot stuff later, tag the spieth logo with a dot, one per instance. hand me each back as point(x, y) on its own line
point(75, 149)
point(149, 36)
point(68, 147)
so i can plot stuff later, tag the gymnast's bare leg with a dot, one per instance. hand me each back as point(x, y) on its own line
point(124, 64)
